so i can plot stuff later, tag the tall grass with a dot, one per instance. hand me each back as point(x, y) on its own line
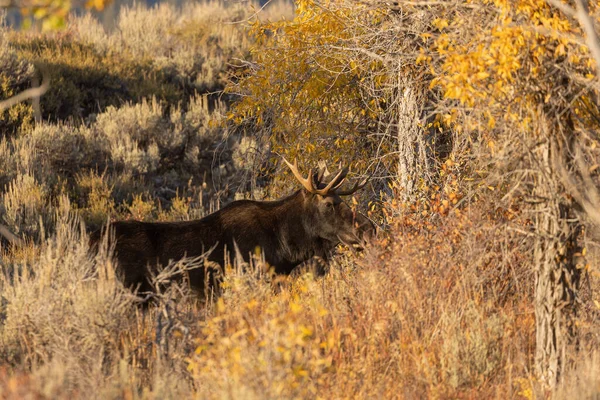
point(445, 317)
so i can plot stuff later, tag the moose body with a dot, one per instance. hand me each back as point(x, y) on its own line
point(282, 233)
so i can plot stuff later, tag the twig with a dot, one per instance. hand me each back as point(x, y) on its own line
point(27, 94)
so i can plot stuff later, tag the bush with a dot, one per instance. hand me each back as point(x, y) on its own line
point(440, 306)
point(85, 81)
point(164, 53)
point(426, 314)
point(25, 205)
point(15, 76)
point(64, 309)
point(127, 152)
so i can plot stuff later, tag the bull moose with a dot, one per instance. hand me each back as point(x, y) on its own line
point(308, 223)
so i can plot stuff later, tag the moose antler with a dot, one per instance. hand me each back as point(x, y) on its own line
point(306, 182)
point(357, 186)
point(334, 183)
point(312, 182)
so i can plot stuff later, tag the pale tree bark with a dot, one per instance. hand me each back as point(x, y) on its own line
point(33, 93)
point(557, 259)
point(557, 252)
point(412, 161)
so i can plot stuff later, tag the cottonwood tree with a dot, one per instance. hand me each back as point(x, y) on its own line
point(336, 80)
point(522, 81)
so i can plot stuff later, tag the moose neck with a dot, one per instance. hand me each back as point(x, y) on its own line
point(298, 242)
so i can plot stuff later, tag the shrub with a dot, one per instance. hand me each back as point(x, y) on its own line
point(25, 205)
point(95, 195)
point(86, 81)
point(162, 52)
point(65, 309)
point(15, 76)
point(130, 136)
point(137, 150)
point(425, 314)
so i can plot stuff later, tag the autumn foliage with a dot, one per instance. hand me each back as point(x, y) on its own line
point(475, 120)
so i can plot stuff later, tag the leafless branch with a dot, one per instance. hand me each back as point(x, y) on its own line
point(564, 8)
point(582, 15)
point(27, 94)
point(587, 23)
point(583, 190)
point(11, 237)
point(585, 193)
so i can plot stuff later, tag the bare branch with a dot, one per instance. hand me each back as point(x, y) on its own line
point(366, 52)
point(586, 22)
point(11, 237)
point(564, 8)
point(588, 198)
point(585, 192)
point(582, 15)
point(27, 94)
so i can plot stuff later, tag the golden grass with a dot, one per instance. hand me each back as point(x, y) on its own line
point(439, 314)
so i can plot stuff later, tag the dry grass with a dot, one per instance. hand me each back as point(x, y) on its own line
point(439, 311)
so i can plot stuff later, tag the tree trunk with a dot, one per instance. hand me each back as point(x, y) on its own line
point(556, 253)
point(412, 161)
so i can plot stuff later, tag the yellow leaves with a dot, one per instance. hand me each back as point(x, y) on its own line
point(40, 13)
point(306, 332)
point(526, 389)
point(220, 306)
point(492, 146)
point(295, 307)
point(482, 75)
point(97, 4)
point(252, 304)
point(591, 64)
point(305, 9)
point(285, 332)
point(487, 70)
point(467, 70)
point(442, 43)
point(440, 23)
point(422, 57)
point(53, 13)
point(450, 118)
point(574, 58)
point(299, 371)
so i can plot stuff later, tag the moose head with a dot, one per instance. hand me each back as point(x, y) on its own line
point(326, 214)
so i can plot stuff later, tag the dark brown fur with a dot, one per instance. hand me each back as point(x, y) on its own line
point(287, 231)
